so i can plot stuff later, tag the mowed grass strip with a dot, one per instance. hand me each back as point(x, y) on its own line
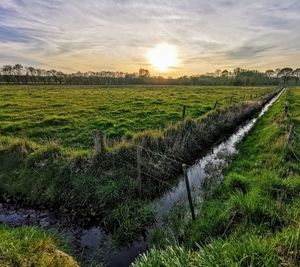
point(67, 114)
point(252, 218)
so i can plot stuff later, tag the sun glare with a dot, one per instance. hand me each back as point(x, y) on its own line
point(163, 56)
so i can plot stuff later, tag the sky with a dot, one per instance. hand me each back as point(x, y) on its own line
point(117, 35)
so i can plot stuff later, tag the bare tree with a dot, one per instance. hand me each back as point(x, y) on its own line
point(277, 71)
point(32, 73)
point(7, 73)
point(225, 73)
point(144, 73)
point(270, 73)
point(285, 74)
point(218, 73)
point(18, 71)
point(296, 74)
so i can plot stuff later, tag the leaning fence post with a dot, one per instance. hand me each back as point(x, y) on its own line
point(289, 137)
point(183, 112)
point(216, 104)
point(139, 168)
point(188, 190)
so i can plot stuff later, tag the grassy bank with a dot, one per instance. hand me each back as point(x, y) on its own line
point(68, 114)
point(103, 188)
point(27, 246)
point(252, 218)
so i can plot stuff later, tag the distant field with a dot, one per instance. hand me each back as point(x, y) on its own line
point(67, 114)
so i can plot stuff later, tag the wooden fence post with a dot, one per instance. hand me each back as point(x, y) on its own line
point(139, 167)
point(102, 141)
point(289, 137)
point(99, 141)
point(286, 110)
point(97, 144)
point(183, 112)
point(188, 190)
point(231, 99)
point(216, 104)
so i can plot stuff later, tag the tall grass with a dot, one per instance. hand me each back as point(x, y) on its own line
point(28, 246)
point(252, 218)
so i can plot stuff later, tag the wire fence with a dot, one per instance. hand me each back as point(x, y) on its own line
point(146, 161)
point(151, 164)
point(291, 132)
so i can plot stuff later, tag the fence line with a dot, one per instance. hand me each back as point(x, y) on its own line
point(161, 155)
point(294, 153)
point(292, 132)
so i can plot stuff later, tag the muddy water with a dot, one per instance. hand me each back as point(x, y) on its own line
point(94, 245)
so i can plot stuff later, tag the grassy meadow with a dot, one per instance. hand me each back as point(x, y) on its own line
point(252, 218)
point(68, 114)
point(103, 188)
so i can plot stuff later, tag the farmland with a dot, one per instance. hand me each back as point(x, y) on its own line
point(149, 133)
point(54, 170)
point(88, 185)
point(68, 114)
point(252, 218)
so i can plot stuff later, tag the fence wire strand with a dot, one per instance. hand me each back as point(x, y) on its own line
point(294, 153)
point(147, 174)
point(161, 155)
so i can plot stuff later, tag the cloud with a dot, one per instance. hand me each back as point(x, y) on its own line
point(247, 52)
point(116, 34)
point(9, 34)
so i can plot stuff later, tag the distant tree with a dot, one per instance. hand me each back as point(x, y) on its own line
point(144, 73)
point(236, 72)
point(17, 70)
point(31, 72)
point(296, 74)
point(277, 71)
point(16, 73)
point(285, 74)
point(7, 71)
point(225, 73)
point(218, 73)
point(270, 73)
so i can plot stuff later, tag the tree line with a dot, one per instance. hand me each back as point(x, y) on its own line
point(18, 74)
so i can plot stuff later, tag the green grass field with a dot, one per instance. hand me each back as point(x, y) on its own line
point(104, 187)
point(252, 218)
point(29, 246)
point(68, 114)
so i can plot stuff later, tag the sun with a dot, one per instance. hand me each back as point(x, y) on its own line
point(163, 56)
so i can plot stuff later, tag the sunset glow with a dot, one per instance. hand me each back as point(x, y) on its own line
point(163, 56)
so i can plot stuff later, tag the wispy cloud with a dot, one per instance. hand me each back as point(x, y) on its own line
point(116, 34)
